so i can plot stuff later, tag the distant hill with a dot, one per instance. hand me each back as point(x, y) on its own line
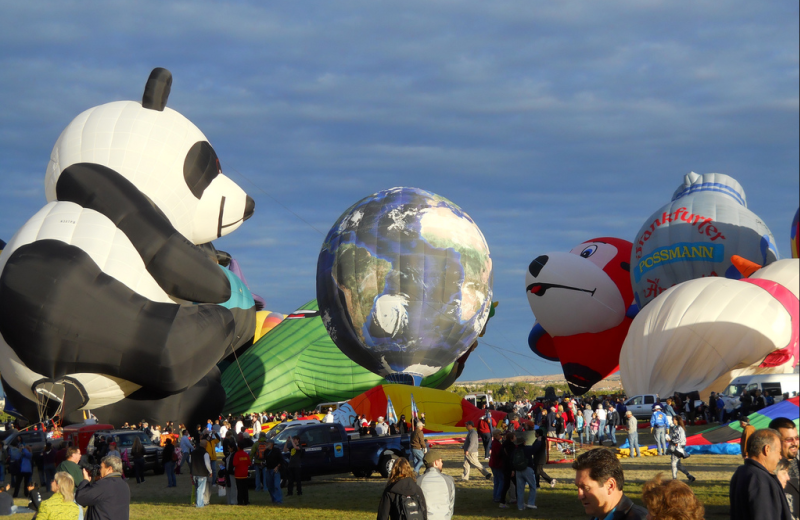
point(611, 383)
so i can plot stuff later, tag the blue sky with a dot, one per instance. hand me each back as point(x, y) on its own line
point(548, 122)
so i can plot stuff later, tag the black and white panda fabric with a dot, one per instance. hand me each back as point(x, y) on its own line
point(106, 301)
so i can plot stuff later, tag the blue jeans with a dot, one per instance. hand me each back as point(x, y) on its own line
point(583, 435)
point(633, 440)
point(418, 456)
point(201, 490)
point(169, 469)
point(2, 471)
point(261, 478)
point(661, 440)
point(601, 433)
point(185, 460)
point(273, 480)
point(528, 477)
point(720, 415)
point(497, 493)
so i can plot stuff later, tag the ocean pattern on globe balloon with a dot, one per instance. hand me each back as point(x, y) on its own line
point(404, 281)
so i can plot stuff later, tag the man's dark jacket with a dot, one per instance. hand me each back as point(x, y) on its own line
point(108, 499)
point(627, 510)
point(756, 494)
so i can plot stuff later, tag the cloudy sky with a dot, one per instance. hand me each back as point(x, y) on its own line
point(548, 122)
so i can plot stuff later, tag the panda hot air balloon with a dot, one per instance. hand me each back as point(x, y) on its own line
point(696, 234)
point(404, 283)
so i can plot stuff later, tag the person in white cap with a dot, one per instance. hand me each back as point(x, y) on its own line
point(659, 423)
point(381, 428)
point(328, 416)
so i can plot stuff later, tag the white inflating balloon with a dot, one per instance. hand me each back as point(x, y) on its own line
point(701, 334)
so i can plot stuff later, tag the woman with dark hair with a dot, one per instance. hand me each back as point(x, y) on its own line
point(671, 500)
point(137, 453)
point(677, 447)
point(402, 495)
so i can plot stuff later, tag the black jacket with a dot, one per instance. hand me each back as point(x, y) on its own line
point(539, 449)
point(387, 510)
point(108, 499)
point(627, 510)
point(756, 494)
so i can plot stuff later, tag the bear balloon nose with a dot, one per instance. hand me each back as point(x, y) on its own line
point(249, 207)
point(537, 265)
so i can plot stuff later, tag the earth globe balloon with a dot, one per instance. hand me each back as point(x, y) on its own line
point(404, 283)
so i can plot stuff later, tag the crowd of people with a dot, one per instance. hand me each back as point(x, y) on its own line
point(222, 455)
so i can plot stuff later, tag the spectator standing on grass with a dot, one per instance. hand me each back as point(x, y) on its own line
point(659, 423)
point(200, 466)
point(296, 453)
point(509, 445)
point(273, 462)
point(470, 448)
point(240, 463)
point(677, 444)
point(107, 498)
point(70, 464)
point(418, 447)
point(612, 421)
point(186, 448)
point(594, 429)
point(671, 500)
point(602, 416)
point(522, 462)
point(789, 451)
point(402, 494)
point(747, 430)
point(539, 449)
point(496, 464)
point(600, 481)
point(49, 464)
point(755, 493)
point(438, 489)
point(633, 434)
point(168, 459)
point(61, 505)
point(485, 427)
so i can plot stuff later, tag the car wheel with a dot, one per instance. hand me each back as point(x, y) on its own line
point(386, 464)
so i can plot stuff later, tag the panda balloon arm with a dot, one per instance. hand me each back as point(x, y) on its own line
point(62, 314)
point(182, 269)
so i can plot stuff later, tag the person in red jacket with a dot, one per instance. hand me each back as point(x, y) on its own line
point(485, 427)
point(241, 466)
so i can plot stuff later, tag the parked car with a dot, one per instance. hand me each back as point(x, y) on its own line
point(34, 439)
point(124, 440)
point(330, 449)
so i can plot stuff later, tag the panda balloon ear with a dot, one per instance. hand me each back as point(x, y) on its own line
point(157, 89)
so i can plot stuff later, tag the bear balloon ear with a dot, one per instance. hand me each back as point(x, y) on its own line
point(157, 89)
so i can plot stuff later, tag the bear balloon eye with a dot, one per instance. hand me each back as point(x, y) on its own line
point(200, 167)
point(589, 251)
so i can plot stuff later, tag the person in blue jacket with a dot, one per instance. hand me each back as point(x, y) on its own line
point(658, 426)
point(25, 469)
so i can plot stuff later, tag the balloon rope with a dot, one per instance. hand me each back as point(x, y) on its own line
point(276, 201)
point(244, 378)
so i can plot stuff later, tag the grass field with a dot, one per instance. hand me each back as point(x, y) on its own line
point(348, 498)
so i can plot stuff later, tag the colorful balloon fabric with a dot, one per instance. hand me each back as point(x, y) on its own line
point(444, 411)
point(794, 234)
point(297, 366)
point(404, 283)
point(108, 300)
point(580, 300)
point(733, 432)
point(701, 334)
point(696, 234)
point(265, 322)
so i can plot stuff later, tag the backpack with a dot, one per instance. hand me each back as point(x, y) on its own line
point(260, 456)
point(519, 462)
point(407, 507)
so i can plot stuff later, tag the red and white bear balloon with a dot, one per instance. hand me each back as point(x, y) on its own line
point(580, 300)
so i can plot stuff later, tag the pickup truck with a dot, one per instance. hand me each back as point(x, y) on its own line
point(642, 405)
point(34, 439)
point(330, 449)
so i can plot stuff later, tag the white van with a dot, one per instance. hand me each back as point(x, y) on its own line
point(770, 384)
point(479, 400)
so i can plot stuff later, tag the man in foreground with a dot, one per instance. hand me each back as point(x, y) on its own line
point(70, 464)
point(439, 489)
point(600, 480)
point(755, 492)
point(789, 448)
point(107, 498)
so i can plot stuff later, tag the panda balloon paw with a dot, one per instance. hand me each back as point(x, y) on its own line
point(107, 301)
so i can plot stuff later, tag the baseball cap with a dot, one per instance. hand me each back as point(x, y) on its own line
point(432, 456)
point(657, 407)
